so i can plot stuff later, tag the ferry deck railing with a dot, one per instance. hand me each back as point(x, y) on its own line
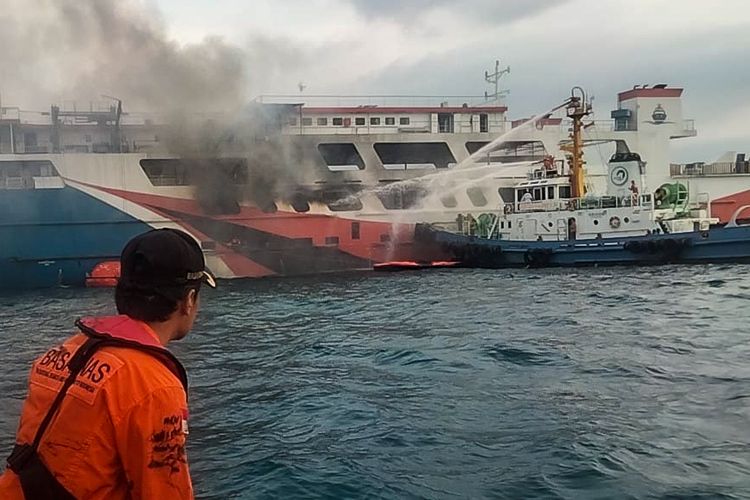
point(709, 169)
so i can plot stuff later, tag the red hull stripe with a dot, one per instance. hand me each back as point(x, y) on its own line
point(237, 263)
point(317, 227)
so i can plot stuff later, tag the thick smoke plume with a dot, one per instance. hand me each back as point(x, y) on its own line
point(56, 51)
point(80, 49)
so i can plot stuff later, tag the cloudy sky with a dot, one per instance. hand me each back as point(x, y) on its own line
point(219, 53)
point(444, 46)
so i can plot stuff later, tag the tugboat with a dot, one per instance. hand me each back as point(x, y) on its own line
point(554, 221)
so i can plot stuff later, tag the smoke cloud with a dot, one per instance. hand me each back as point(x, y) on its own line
point(56, 51)
point(80, 49)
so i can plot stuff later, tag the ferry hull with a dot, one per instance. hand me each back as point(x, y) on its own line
point(57, 237)
point(719, 244)
point(54, 237)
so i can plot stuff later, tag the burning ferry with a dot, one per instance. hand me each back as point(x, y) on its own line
point(311, 187)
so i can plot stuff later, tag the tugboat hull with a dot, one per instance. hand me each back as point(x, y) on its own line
point(718, 244)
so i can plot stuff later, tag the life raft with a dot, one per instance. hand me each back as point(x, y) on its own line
point(104, 275)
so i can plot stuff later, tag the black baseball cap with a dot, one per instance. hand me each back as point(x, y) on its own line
point(168, 260)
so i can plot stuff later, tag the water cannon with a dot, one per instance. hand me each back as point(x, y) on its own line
point(577, 105)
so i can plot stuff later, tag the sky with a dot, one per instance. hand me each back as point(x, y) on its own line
point(428, 47)
point(219, 52)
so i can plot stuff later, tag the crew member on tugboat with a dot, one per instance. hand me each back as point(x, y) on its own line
point(106, 411)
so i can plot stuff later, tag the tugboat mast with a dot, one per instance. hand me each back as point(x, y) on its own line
point(577, 108)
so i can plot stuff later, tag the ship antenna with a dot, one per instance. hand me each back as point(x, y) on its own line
point(494, 78)
point(577, 108)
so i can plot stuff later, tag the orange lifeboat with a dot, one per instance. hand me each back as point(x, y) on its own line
point(104, 275)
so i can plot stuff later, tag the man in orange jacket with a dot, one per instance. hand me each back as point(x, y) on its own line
point(106, 413)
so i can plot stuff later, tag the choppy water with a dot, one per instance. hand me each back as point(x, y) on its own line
point(618, 383)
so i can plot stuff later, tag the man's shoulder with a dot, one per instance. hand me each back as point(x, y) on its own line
point(139, 367)
point(124, 374)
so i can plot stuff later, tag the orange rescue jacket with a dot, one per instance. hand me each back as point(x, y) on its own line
point(120, 430)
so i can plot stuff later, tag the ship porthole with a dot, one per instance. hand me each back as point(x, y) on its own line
point(550, 224)
point(626, 220)
point(596, 222)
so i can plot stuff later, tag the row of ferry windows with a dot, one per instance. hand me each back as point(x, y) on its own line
point(358, 121)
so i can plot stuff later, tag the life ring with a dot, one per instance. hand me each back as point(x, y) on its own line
point(614, 222)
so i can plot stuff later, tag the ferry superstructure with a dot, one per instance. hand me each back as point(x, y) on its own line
point(76, 184)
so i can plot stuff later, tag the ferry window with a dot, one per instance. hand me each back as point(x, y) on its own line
point(359, 122)
point(349, 204)
point(355, 230)
point(268, 207)
point(341, 156)
point(29, 139)
point(511, 151)
point(445, 123)
point(404, 120)
point(332, 240)
point(374, 121)
point(177, 172)
point(510, 225)
point(564, 191)
point(484, 122)
point(337, 122)
point(401, 197)
point(300, 203)
point(414, 154)
point(474, 146)
point(307, 122)
point(538, 194)
point(476, 196)
point(449, 201)
point(506, 194)
point(322, 122)
point(166, 172)
point(390, 120)
point(20, 174)
point(292, 121)
point(341, 201)
point(550, 192)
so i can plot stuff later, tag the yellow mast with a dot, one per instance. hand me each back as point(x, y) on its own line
point(577, 108)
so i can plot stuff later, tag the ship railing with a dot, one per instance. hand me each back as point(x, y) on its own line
point(37, 149)
point(605, 125)
point(348, 126)
point(699, 169)
point(585, 203)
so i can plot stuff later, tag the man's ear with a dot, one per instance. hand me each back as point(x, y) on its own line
point(189, 302)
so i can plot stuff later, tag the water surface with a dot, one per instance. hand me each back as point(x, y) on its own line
point(593, 383)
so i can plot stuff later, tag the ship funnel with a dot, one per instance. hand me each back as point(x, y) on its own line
point(625, 170)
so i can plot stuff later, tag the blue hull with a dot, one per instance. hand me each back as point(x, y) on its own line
point(719, 244)
point(54, 237)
